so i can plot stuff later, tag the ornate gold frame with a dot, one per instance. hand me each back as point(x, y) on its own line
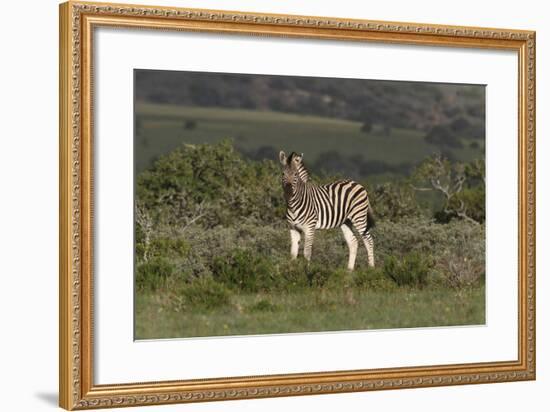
point(77, 22)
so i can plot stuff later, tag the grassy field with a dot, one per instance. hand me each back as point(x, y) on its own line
point(313, 311)
point(162, 128)
point(212, 258)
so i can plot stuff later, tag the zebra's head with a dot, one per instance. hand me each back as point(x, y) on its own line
point(293, 170)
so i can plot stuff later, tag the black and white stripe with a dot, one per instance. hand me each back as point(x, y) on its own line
point(343, 204)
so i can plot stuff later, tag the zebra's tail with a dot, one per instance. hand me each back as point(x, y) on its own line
point(370, 220)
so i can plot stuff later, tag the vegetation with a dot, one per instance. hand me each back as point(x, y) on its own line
point(212, 251)
point(332, 145)
point(388, 104)
point(335, 121)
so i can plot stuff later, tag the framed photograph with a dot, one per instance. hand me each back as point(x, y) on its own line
point(258, 205)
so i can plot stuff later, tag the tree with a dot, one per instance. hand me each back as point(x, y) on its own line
point(462, 187)
point(190, 124)
point(443, 136)
point(394, 200)
point(210, 185)
point(367, 126)
point(460, 124)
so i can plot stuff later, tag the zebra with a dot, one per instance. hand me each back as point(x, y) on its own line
point(343, 204)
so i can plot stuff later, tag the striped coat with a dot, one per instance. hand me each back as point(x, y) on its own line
point(343, 204)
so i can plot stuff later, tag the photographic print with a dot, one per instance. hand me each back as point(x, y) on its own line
point(279, 204)
point(286, 183)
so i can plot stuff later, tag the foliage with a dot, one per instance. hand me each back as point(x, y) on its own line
point(354, 166)
point(313, 310)
point(201, 294)
point(415, 105)
point(212, 246)
point(461, 263)
point(366, 127)
point(190, 124)
point(211, 184)
point(263, 305)
point(381, 154)
point(395, 201)
point(461, 186)
point(244, 270)
point(412, 270)
point(152, 274)
point(211, 238)
point(443, 136)
point(373, 279)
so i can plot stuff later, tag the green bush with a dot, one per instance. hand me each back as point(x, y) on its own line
point(339, 278)
point(203, 294)
point(412, 270)
point(169, 247)
point(211, 185)
point(373, 279)
point(460, 187)
point(292, 274)
point(154, 273)
point(394, 201)
point(206, 214)
point(245, 270)
point(461, 262)
point(443, 136)
point(318, 275)
point(473, 201)
point(263, 305)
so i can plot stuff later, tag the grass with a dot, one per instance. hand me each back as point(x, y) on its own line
point(313, 310)
point(162, 129)
point(211, 278)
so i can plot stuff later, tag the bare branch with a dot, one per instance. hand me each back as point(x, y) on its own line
point(461, 211)
point(145, 222)
point(438, 186)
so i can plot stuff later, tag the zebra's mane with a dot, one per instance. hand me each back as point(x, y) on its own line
point(302, 171)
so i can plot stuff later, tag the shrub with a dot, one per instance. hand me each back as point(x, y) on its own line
point(460, 124)
point(263, 305)
point(292, 274)
point(373, 279)
point(318, 275)
point(207, 214)
point(190, 124)
point(394, 201)
point(366, 127)
point(169, 247)
point(295, 274)
point(334, 278)
point(412, 270)
point(418, 234)
point(460, 186)
point(210, 185)
point(204, 293)
point(153, 274)
point(245, 270)
point(461, 263)
point(471, 202)
point(443, 136)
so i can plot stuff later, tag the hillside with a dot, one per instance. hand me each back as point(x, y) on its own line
point(330, 145)
point(410, 105)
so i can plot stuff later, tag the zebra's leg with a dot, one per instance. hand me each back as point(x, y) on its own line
point(369, 245)
point(360, 224)
point(294, 243)
point(308, 242)
point(351, 240)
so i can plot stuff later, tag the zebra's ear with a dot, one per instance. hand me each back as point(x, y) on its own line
point(282, 158)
